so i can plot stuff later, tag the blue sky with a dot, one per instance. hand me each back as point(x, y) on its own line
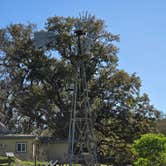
point(140, 23)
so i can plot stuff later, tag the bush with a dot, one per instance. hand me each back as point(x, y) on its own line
point(150, 150)
point(142, 162)
point(4, 159)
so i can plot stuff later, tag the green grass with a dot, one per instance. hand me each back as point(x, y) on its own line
point(29, 163)
point(16, 162)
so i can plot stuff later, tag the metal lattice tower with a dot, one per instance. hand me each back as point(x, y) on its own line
point(82, 143)
point(82, 146)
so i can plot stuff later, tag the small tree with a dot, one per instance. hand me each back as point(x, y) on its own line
point(150, 150)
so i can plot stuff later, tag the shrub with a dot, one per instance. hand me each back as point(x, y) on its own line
point(142, 162)
point(4, 159)
point(150, 150)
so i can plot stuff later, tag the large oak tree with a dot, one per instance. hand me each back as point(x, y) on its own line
point(36, 85)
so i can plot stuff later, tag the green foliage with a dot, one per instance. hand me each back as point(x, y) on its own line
point(31, 163)
point(142, 162)
point(6, 160)
point(150, 148)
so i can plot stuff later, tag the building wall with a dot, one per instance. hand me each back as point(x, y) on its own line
point(56, 150)
point(52, 151)
point(9, 145)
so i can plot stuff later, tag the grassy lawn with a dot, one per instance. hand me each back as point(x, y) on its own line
point(16, 162)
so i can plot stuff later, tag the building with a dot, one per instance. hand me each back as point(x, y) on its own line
point(30, 147)
point(20, 145)
point(49, 148)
